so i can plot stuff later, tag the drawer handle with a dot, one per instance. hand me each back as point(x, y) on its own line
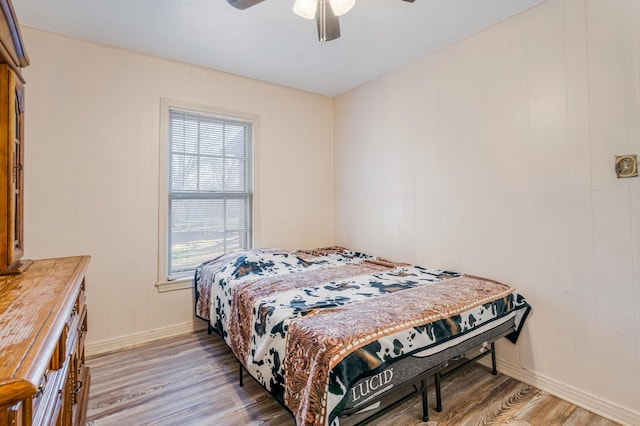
point(42, 386)
point(78, 387)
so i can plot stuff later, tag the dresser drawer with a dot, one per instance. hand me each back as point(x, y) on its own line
point(82, 331)
point(75, 327)
point(47, 403)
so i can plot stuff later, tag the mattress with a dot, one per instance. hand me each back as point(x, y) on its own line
point(368, 389)
point(310, 326)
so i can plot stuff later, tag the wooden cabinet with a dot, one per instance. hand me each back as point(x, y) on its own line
point(12, 107)
point(43, 324)
point(11, 157)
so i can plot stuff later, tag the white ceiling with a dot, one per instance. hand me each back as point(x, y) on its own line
point(268, 41)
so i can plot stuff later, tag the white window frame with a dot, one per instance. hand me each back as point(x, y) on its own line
point(164, 282)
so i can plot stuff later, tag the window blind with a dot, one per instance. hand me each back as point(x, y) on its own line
point(210, 191)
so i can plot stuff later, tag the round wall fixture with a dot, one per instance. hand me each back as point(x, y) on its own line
point(626, 166)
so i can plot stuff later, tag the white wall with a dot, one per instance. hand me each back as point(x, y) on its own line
point(495, 157)
point(92, 179)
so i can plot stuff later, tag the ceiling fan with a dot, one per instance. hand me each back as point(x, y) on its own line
point(325, 12)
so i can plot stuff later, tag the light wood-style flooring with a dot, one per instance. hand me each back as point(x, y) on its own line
point(193, 380)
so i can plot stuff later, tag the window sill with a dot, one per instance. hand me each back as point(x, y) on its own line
point(175, 285)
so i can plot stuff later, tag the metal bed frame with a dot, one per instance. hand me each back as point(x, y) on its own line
point(417, 384)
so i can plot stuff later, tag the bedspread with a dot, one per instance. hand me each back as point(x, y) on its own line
point(307, 324)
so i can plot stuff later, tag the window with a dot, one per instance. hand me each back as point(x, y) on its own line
point(209, 197)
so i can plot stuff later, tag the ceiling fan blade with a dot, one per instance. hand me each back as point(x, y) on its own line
point(410, 1)
point(327, 22)
point(243, 4)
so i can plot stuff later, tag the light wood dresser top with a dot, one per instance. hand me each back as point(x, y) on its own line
point(34, 307)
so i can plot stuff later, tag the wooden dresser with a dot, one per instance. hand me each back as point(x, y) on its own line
point(43, 323)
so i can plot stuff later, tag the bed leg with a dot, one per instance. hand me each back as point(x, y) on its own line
point(494, 369)
point(436, 378)
point(240, 373)
point(425, 402)
point(209, 329)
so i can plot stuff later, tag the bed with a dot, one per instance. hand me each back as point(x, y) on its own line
point(334, 333)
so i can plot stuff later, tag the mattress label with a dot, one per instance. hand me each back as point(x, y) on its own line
point(372, 384)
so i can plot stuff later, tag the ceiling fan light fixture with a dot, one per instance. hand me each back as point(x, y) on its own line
point(340, 7)
point(305, 8)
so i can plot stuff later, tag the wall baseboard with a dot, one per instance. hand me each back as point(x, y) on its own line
point(118, 343)
point(568, 393)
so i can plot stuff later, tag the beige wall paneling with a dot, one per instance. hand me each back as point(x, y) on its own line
point(450, 133)
point(391, 153)
point(428, 176)
point(378, 163)
point(347, 158)
point(632, 55)
point(501, 168)
point(548, 186)
point(460, 101)
point(583, 290)
point(523, 261)
point(492, 220)
point(615, 307)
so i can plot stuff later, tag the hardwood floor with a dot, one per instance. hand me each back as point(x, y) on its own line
point(193, 380)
